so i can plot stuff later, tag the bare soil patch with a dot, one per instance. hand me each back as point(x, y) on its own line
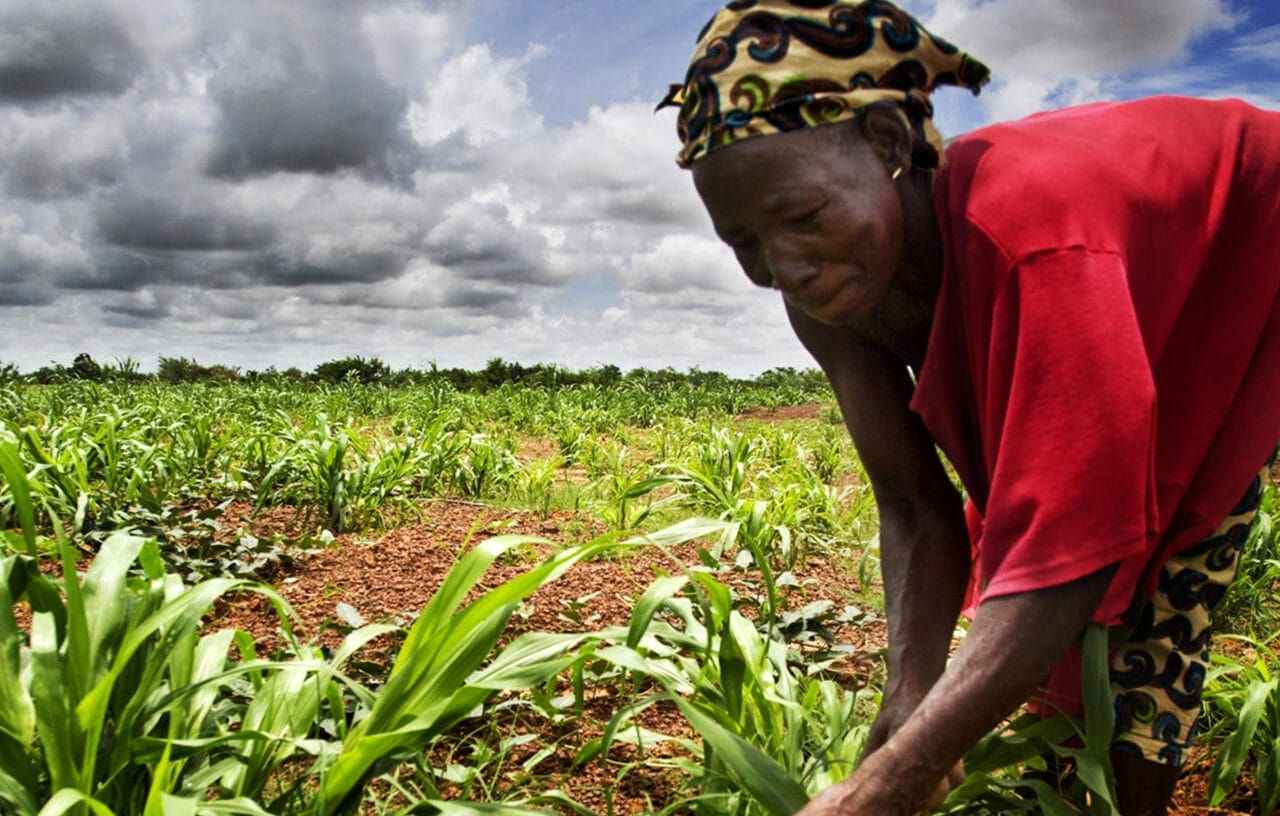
point(783, 413)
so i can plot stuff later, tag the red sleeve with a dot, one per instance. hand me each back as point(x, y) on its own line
point(1068, 423)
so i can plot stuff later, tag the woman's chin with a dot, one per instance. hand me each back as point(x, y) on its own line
point(846, 306)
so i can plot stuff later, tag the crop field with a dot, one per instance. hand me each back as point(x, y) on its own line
point(652, 593)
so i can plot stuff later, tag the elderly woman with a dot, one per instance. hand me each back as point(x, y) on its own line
point(1079, 309)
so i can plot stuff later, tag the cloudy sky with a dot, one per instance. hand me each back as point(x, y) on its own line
point(284, 182)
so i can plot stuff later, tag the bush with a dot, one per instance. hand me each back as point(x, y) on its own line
point(356, 369)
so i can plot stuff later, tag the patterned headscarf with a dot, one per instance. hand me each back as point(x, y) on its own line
point(769, 66)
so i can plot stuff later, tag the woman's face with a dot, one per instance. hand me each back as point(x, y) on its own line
point(812, 213)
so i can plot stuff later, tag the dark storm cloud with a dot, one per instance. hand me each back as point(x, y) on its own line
point(349, 266)
point(137, 308)
point(501, 301)
point(39, 176)
point(128, 270)
point(486, 262)
point(652, 207)
point(51, 48)
point(17, 290)
point(148, 222)
point(479, 241)
point(301, 93)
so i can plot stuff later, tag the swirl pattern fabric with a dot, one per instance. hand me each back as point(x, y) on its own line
point(769, 66)
point(1157, 676)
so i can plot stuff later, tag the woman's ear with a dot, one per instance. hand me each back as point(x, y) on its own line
point(886, 133)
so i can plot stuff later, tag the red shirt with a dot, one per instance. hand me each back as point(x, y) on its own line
point(1104, 365)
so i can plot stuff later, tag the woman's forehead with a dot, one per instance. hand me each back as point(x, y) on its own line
point(811, 154)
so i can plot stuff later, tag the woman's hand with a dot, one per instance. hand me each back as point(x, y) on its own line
point(895, 710)
point(862, 794)
point(945, 785)
point(878, 791)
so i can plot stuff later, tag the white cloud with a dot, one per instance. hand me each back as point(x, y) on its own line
point(1262, 45)
point(1051, 53)
point(682, 262)
point(409, 42)
point(60, 152)
point(478, 96)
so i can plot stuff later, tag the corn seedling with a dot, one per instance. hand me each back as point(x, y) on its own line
point(1242, 700)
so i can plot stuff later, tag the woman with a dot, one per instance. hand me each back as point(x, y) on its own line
point(1079, 309)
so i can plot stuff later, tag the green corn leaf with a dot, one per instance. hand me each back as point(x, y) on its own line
point(1047, 800)
point(1099, 717)
point(682, 532)
point(17, 715)
point(751, 769)
point(355, 641)
point(17, 796)
point(653, 598)
point(179, 612)
point(67, 800)
point(457, 583)
point(426, 691)
point(16, 477)
point(103, 590)
point(661, 670)
point(528, 661)
point(718, 597)
point(733, 670)
point(1026, 737)
point(159, 801)
point(148, 750)
point(620, 719)
point(238, 806)
point(1234, 751)
point(209, 660)
point(61, 740)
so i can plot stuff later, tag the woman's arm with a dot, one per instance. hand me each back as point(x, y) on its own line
point(924, 545)
point(1012, 644)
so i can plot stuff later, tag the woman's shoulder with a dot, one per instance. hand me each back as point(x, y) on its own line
point(1091, 175)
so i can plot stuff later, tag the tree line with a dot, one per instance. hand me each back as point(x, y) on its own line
point(371, 370)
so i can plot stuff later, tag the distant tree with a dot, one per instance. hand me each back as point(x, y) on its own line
point(9, 373)
point(655, 377)
point(218, 373)
point(358, 369)
point(178, 370)
point(272, 375)
point(605, 375)
point(182, 370)
point(707, 378)
point(499, 371)
point(83, 367)
point(52, 373)
point(123, 369)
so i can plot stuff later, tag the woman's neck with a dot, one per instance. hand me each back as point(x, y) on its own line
point(903, 320)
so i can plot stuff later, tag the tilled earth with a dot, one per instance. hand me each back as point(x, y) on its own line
point(390, 576)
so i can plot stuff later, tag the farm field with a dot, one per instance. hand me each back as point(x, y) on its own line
point(650, 593)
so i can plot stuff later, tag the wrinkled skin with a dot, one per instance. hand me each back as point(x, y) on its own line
point(855, 252)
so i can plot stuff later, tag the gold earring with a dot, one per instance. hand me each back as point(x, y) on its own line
point(896, 174)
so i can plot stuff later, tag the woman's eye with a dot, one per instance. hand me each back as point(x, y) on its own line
point(805, 219)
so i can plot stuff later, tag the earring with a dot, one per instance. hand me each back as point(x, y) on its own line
point(896, 174)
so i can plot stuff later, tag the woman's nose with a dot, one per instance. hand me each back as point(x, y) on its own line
point(788, 267)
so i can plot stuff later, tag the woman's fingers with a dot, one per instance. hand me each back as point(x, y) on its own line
point(945, 785)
